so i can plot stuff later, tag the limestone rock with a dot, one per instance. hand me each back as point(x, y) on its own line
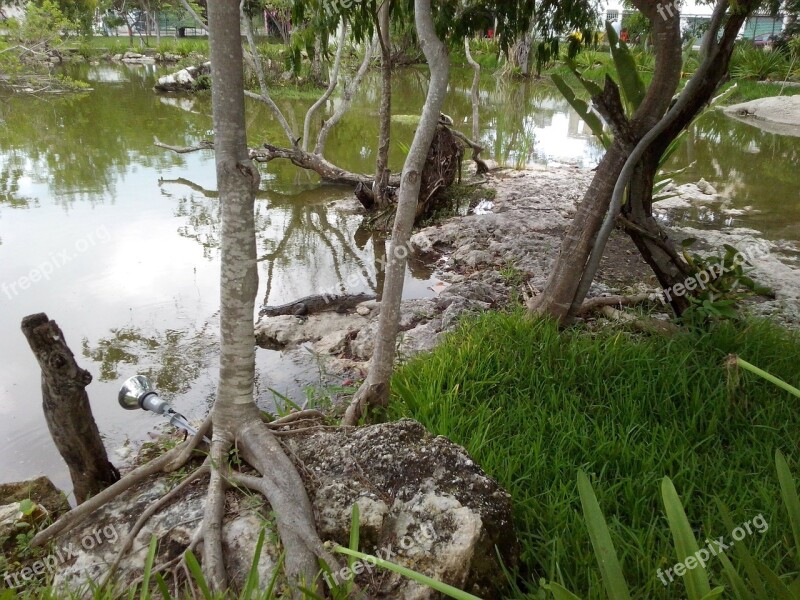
point(41, 490)
point(183, 80)
point(423, 504)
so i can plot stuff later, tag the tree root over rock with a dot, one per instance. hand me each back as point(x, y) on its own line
point(279, 482)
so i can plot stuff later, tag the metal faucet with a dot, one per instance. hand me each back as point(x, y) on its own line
point(138, 392)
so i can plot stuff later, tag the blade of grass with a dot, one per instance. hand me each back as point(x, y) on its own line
point(148, 568)
point(697, 586)
point(790, 499)
point(439, 586)
point(197, 574)
point(613, 579)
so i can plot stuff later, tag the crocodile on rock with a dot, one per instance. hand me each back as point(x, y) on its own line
point(314, 304)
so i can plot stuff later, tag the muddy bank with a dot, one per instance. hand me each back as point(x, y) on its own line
point(503, 251)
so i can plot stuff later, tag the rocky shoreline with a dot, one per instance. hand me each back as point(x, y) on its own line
point(505, 250)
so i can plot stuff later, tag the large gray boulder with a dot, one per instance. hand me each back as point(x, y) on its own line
point(423, 503)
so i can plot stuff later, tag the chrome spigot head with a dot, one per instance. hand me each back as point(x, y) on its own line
point(138, 392)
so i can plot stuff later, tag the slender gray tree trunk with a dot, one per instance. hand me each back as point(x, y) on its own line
point(235, 416)
point(476, 99)
point(347, 97)
point(375, 389)
point(385, 110)
point(334, 79)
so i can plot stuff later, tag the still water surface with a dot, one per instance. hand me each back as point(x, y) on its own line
point(124, 235)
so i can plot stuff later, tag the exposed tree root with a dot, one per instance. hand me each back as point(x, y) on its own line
point(280, 483)
point(71, 519)
point(149, 512)
point(283, 487)
point(592, 304)
point(190, 446)
point(310, 413)
point(476, 150)
point(213, 555)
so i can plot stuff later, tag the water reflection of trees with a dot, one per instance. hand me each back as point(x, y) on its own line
point(173, 359)
point(80, 146)
point(11, 172)
point(296, 234)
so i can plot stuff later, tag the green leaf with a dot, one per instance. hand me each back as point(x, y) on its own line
point(355, 523)
point(162, 587)
point(590, 86)
point(439, 586)
point(696, 580)
point(790, 499)
point(252, 576)
point(27, 506)
point(773, 581)
point(717, 591)
point(560, 592)
point(633, 87)
point(613, 579)
point(591, 119)
point(275, 573)
point(737, 583)
point(148, 568)
point(197, 574)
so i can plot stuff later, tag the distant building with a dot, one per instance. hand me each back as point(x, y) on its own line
point(694, 14)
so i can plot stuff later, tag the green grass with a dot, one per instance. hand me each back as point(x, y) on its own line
point(116, 44)
point(747, 90)
point(533, 406)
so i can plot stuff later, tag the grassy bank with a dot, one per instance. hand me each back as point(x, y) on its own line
point(747, 90)
point(533, 405)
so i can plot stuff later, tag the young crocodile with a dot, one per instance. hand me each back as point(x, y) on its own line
point(315, 303)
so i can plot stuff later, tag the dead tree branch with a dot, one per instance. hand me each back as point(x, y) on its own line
point(204, 145)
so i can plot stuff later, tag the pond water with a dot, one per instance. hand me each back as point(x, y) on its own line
point(124, 235)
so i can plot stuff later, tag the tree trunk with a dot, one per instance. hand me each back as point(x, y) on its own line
point(347, 97)
point(476, 99)
point(564, 281)
point(236, 418)
point(375, 389)
point(644, 158)
point(316, 61)
point(519, 54)
point(333, 80)
point(649, 237)
point(385, 110)
point(67, 410)
point(562, 284)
